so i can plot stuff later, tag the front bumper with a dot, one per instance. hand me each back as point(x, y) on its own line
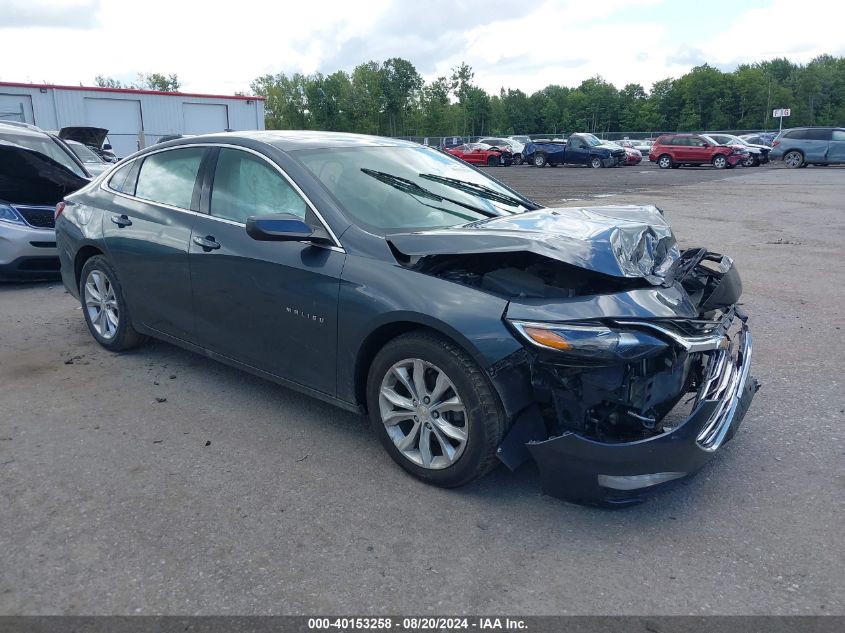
point(27, 253)
point(583, 470)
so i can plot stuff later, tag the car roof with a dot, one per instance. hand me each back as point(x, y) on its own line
point(20, 129)
point(288, 140)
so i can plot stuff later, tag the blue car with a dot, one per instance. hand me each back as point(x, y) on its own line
point(472, 325)
point(802, 146)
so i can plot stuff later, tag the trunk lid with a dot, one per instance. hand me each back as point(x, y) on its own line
point(92, 136)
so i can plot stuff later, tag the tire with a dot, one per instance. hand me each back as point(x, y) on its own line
point(794, 158)
point(483, 420)
point(99, 280)
point(664, 161)
point(719, 161)
point(596, 162)
point(539, 159)
point(517, 159)
point(751, 161)
point(492, 161)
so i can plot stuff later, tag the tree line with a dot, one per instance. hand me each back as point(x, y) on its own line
point(145, 81)
point(390, 98)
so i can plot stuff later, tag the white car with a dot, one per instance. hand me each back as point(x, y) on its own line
point(513, 145)
point(93, 163)
point(37, 170)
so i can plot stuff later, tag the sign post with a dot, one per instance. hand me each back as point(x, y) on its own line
point(779, 113)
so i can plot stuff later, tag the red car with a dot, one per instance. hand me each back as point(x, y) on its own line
point(481, 154)
point(632, 156)
point(674, 150)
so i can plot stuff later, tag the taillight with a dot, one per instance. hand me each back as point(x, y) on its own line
point(775, 143)
point(59, 209)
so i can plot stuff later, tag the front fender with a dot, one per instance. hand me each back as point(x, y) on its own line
point(375, 294)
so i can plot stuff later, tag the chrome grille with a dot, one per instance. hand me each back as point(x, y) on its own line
point(724, 382)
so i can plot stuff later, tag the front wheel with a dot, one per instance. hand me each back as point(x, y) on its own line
point(596, 162)
point(720, 162)
point(794, 159)
point(664, 162)
point(750, 161)
point(539, 160)
point(517, 159)
point(104, 307)
point(492, 161)
point(434, 410)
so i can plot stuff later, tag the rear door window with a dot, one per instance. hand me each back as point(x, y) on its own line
point(246, 185)
point(817, 134)
point(169, 177)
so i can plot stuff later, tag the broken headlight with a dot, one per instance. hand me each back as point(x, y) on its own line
point(594, 344)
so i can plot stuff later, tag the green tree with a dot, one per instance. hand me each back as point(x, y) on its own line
point(158, 81)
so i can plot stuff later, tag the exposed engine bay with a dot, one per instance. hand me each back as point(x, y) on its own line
point(609, 402)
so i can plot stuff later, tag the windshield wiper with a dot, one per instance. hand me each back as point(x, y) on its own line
point(482, 191)
point(412, 188)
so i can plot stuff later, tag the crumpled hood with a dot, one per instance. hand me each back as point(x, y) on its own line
point(30, 177)
point(93, 136)
point(621, 241)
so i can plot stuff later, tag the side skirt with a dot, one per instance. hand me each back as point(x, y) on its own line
point(284, 382)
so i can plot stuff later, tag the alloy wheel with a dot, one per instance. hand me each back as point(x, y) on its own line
point(793, 159)
point(423, 414)
point(101, 304)
point(720, 162)
point(665, 162)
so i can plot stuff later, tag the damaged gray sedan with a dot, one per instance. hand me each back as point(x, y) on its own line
point(472, 325)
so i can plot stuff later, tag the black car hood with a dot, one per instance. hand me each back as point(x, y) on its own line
point(93, 136)
point(620, 241)
point(30, 177)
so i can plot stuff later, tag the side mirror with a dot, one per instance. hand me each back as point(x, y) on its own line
point(284, 227)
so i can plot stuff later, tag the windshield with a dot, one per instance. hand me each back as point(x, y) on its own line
point(46, 145)
point(389, 189)
point(83, 153)
point(591, 139)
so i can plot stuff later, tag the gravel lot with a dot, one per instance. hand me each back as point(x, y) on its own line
point(237, 496)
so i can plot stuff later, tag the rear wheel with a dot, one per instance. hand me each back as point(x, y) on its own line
point(794, 159)
point(665, 161)
point(434, 410)
point(539, 160)
point(719, 161)
point(104, 307)
point(596, 162)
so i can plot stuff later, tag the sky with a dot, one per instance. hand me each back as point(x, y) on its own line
point(220, 47)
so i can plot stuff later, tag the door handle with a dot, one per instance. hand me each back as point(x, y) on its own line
point(208, 242)
point(121, 220)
